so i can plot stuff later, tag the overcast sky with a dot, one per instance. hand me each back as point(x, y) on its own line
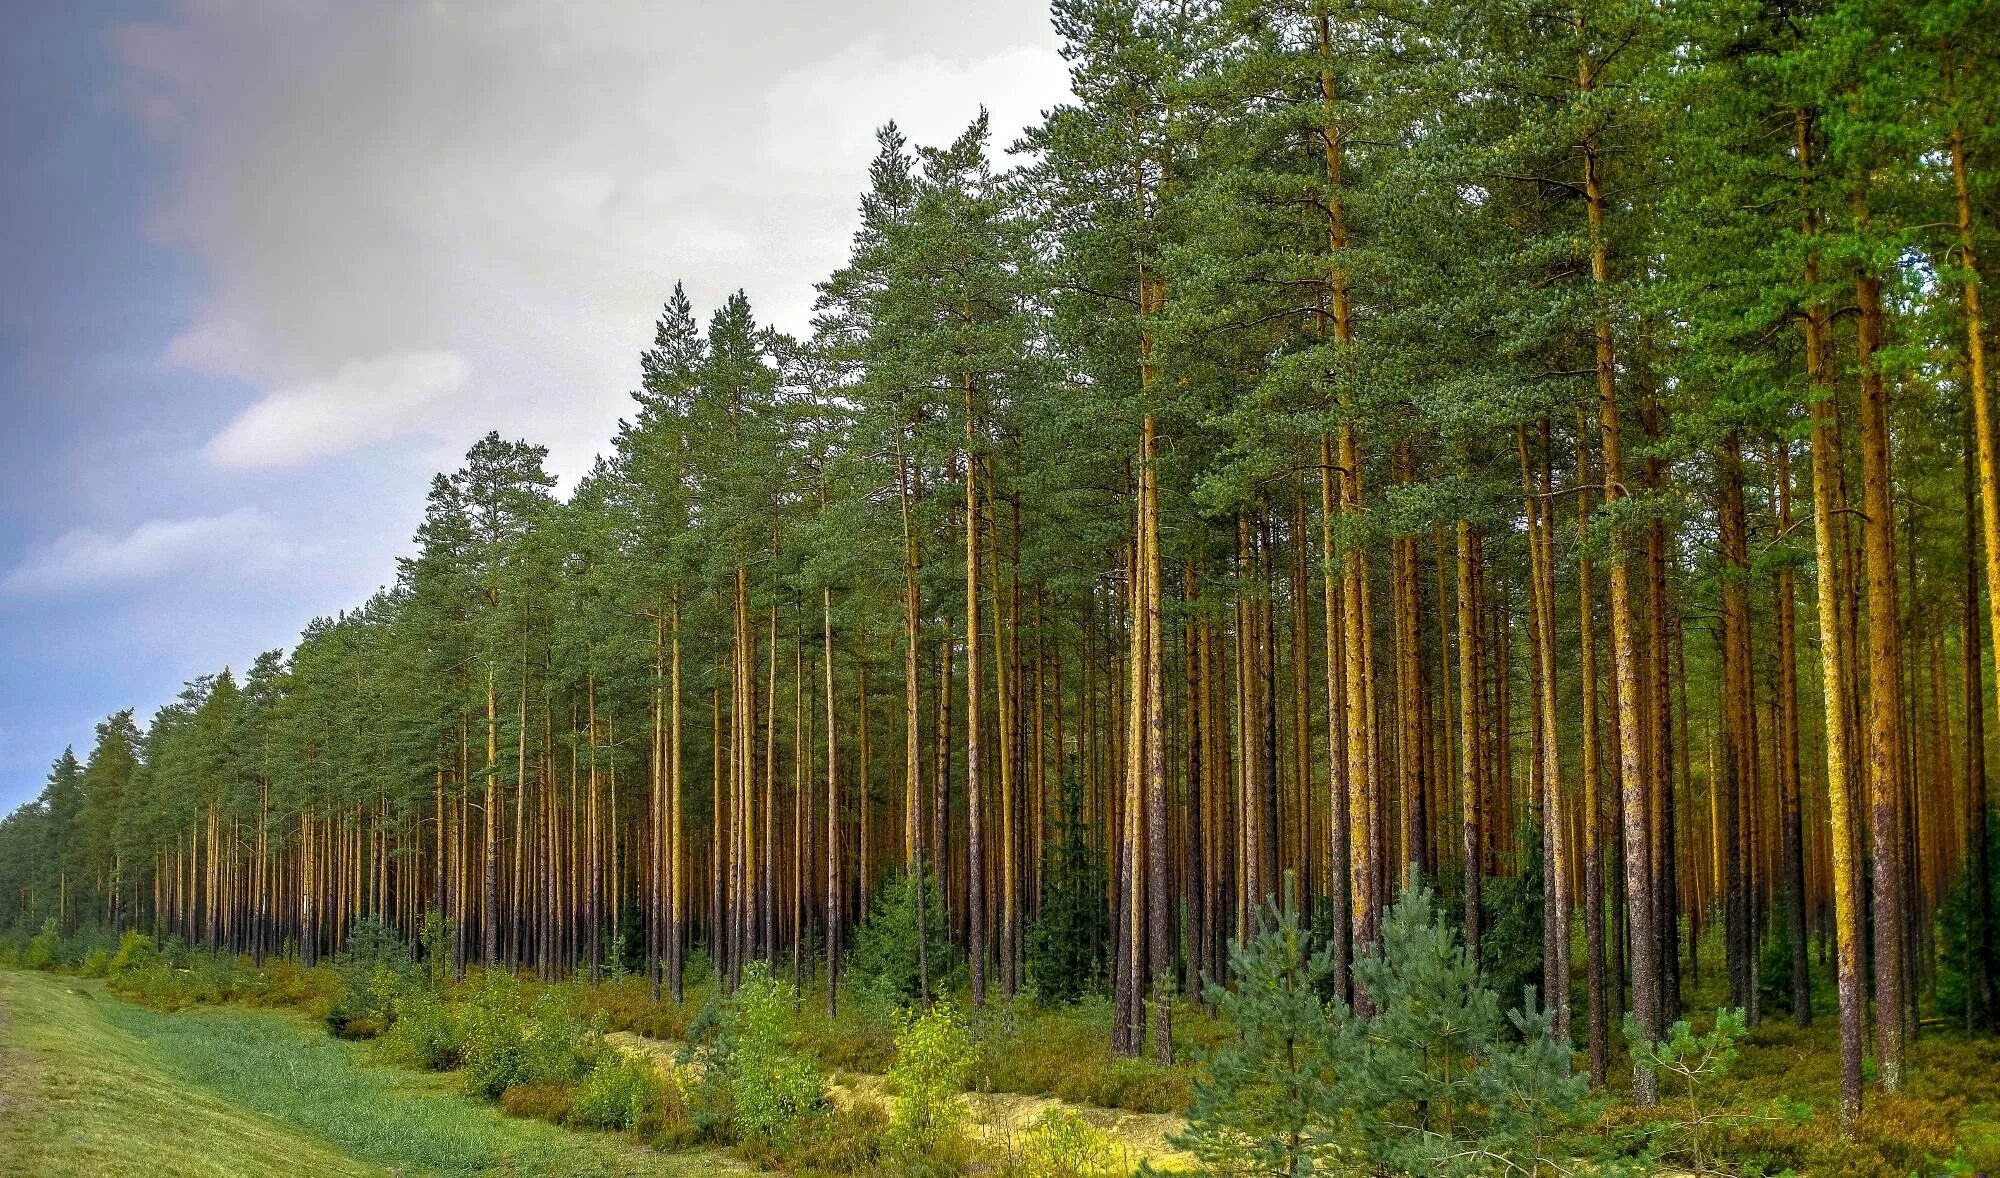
point(265, 265)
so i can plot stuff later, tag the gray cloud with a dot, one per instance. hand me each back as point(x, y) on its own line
point(516, 185)
point(367, 400)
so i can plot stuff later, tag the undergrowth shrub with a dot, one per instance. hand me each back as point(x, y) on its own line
point(543, 1102)
point(754, 1086)
point(494, 1035)
point(1955, 926)
point(41, 952)
point(627, 1005)
point(373, 967)
point(506, 1042)
point(135, 951)
point(933, 1059)
point(668, 1124)
point(616, 1093)
point(843, 1140)
point(1061, 1144)
point(1688, 1065)
point(563, 1045)
point(427, 1030)
point(1061, 1052)
point(1510, 943)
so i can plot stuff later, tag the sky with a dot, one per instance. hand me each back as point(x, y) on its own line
point(266, 265)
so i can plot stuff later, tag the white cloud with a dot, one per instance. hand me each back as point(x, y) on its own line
point(520, 184)
point(366, 401)
point(85, 559)
point(823, 117)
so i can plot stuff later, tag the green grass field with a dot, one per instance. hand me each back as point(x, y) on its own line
point(90, 1085)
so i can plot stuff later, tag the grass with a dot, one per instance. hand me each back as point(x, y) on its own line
point(80, 1096)
point(111, 1088)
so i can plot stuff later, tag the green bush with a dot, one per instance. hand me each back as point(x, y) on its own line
point(42, 946)
point(428, 1030)
point(766, 1090)
point(503, 1043)
point(561, 1045)
point(96, 964)
point(616, 1094)
point(494, 1035)
point(933, 1059)
point(135, 951)
point(374, 966)
point(1061, 1144)
point(669, 1123)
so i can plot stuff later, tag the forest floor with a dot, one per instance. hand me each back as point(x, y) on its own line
point(998, 1119)
point(90, 1085)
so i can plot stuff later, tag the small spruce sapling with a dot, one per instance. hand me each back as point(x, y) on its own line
point(883, 966)
point(1437, 1081)
point(1065, 944)
point(1265, 1097)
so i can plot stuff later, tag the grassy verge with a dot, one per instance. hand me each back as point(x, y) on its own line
point(83, 1097)
point(110, 1088)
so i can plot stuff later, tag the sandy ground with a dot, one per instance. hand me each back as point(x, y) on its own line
point(998, 1117)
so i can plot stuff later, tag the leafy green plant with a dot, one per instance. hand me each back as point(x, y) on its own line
point(135, 951)
point(561, 1044)
point(933, 1059)
point(42, 946)
point(428, 1030)
point(494, 1035)
point(374, 967)
point(616, 1093)
point(752, 1078)
point(1061, 1144)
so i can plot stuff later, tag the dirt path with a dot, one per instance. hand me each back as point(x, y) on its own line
point(999, 1118)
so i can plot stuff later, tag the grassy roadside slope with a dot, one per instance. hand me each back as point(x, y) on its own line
point(95, 1086)
point(80, 1096)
